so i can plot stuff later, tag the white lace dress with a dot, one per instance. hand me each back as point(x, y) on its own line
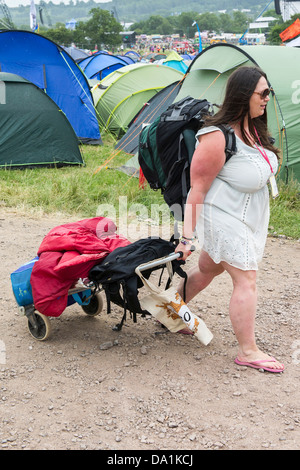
point(233, 224)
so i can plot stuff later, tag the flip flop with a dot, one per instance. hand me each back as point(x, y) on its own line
point(258, 364)
point(185, 331)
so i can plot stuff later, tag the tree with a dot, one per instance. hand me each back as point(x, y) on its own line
point(226, 23)
point(101, 29)
point(59, 34)
point(166, 27)
point(209, 22)
point(158, 25)
point(240, 22)
point(273, 35)
point(184, 24)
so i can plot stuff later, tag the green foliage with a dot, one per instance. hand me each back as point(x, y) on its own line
point(135, 10)
point(60, 34)
point(155, 17)
point(102, 29)
point(182, 24)
point(130, 10)
point(274, 37)
point(285, 210)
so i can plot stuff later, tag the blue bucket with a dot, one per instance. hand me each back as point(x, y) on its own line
point(20, 281)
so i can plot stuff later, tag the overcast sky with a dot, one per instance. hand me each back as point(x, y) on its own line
point(16, 3)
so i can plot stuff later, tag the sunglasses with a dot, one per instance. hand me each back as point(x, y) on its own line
point(263, 94)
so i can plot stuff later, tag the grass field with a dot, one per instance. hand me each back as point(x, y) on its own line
point(86, 191)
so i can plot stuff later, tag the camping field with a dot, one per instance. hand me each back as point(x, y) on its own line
point(90, 387)
point(84, 191)
point(75, 190)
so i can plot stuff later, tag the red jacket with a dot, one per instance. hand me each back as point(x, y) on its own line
point(67, 253)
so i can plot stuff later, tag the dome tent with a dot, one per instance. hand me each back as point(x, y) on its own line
point(122, 94)
point(50, 67)
point(101, 64)
point(127, 58)
point(76, 54)
point(175, 61)
point(207, 77)
point(34, 131)
point(147, 114)
point(135, 56)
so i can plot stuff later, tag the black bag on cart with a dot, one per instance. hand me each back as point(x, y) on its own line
point(116, 273)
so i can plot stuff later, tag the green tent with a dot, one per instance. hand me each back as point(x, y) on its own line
point(208, 74)
point(34, 131)
point(120, 95)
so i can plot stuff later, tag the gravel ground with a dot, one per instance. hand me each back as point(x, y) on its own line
point(88, 387)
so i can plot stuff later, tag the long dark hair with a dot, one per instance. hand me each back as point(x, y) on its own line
point(240, 87)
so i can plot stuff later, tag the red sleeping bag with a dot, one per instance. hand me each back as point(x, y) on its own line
point(67, 253)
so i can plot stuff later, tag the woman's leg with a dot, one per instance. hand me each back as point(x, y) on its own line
point(200, 276)
point(242, 312)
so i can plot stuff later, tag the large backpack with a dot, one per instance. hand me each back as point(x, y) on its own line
point(166, 148)
point(116, 273)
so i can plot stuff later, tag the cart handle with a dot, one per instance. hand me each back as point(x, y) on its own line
point(157, 262)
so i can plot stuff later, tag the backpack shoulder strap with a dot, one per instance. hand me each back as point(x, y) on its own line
point(230, 147)
point(173, 113)
point(189, 136)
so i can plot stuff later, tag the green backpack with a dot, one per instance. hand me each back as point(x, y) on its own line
point(166, 148)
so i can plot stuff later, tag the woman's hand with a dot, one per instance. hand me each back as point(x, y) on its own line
point(184, 249)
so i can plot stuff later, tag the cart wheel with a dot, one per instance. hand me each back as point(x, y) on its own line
point(39, 326)
point(94, 307)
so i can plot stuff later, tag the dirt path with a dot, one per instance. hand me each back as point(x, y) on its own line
point(89, 387)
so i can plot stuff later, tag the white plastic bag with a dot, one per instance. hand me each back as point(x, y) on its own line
point(169, 308)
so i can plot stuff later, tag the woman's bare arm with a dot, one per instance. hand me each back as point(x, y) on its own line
point(208, 160)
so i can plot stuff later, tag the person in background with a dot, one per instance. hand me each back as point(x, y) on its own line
point(228, 206)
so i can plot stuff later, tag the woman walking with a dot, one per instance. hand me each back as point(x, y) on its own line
point(228, 206)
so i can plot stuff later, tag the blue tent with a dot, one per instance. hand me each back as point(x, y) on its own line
point(129, 60)
point(135, 56)
point(188, 56)
point(50, 67)
point(101, 64)
point(75, 53)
